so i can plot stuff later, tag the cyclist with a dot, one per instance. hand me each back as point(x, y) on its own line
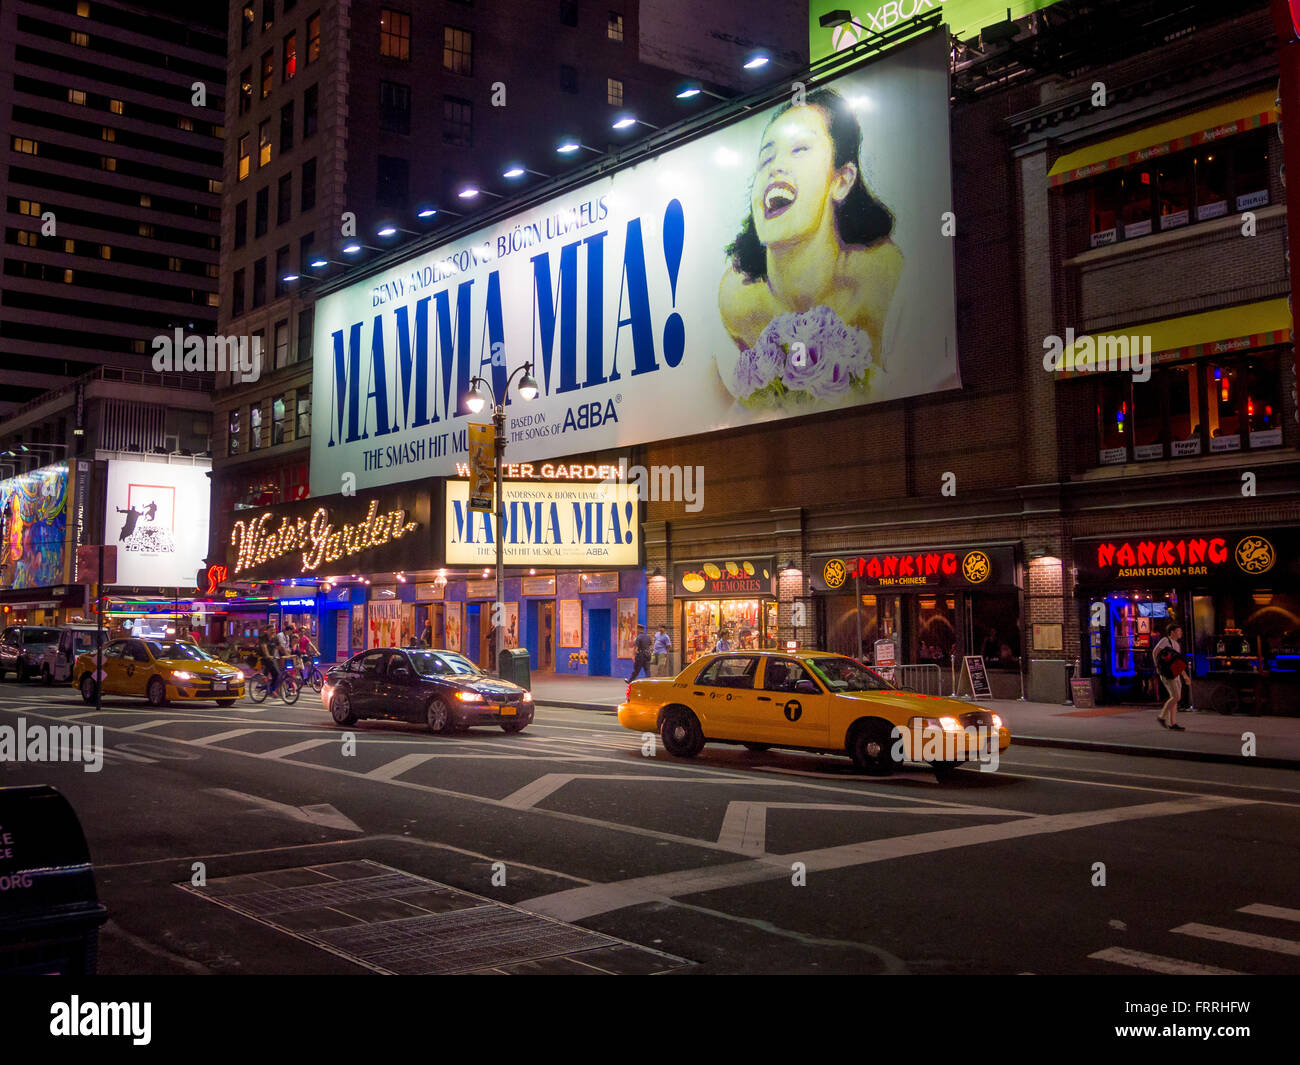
point(266, 650)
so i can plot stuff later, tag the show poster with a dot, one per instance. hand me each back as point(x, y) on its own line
point(157, 515)
point(34, 528)
point(789, 264)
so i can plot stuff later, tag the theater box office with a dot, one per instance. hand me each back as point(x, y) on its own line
point(1236, 593)
point(935, 604)
point(735, 597)
point(343, 546)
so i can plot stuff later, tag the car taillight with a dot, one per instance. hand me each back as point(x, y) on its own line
point(629, 692)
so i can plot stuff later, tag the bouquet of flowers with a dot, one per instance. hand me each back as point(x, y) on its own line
point(803, 358)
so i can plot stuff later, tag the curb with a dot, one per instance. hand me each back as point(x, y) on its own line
point(1049, 741)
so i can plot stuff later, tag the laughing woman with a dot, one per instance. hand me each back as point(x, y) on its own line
point(813, 270)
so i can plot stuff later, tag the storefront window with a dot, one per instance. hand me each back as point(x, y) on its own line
point(1262, 401)
point(1148, 419)
point(1221, 406)
point(1211, 169)
point(1137, 203)
point(996, 621)
point(1113, 420)
point(1120, 648)
point(1250, 164)
point(702, 618)
point(1175, 191)
point(740, 620)
point(936, 630)
point(1103, 211)
point(1184, 411)
point(770, 624)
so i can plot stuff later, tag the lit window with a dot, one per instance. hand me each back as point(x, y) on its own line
point(146, 229)
point(70, 246)
point(232, 434)
point(212, 270)
point(69, 277)
point(313, 38)
point(457, 51)
point(214, 300)
point(264, 143)
point(1137, 203)
point(105, 133)
point(29, 207)
point(247, 20)
point(615, 28)
point(1263, 400)
point(106, 251)
point(174, 264)
point(245, 90)
point(76, 96)
point(277, 405)
point(243, 157)
point(1174, 190)
point(26, 239)
point(1223, 406)
point(116, 106)
point(289, 60)
point(255, 427)
point(614, 92)
point(25, 145)
point(214, 185)
point(303, 427)
point(80, 39)
point(107, 162)
point(394, 34)
point(146, 200)
point(83, 8)
point(185, 123)
point(268, 73)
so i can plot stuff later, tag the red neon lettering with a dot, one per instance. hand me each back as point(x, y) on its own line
point(873, 567)
point(1196, 552)
point(932, 565)
point(949, 563)
point(891, 565)
point(1125, 555)
point(905, 567)
point(1218, 551)
point(1105, 554)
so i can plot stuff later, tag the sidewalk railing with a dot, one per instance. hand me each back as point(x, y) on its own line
point(924, 678)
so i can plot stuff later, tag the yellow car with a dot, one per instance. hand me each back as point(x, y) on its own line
point(162, 671)
point(813, 700)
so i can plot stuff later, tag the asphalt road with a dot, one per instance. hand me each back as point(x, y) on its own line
point(414, 851)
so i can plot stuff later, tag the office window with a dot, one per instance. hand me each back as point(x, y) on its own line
point(394, 107)
point(243, 157)
point(27, 239)
point(277, 405)
point(309, 99)
point(302, 427)
point(308, 184)
point(255, 427)
point(245, 90)
point(25, 145)
point(76, 96)
point(286, 127)
point(246, 25)
point(457, 51)
point(268, 73)
point(31, 208)
point(289, 57)
point(116, 106)
point(284, 199)
point(174, 264)
point(264, 142)
point(281, 285)
point(305, 256)
point(107, 162)
point(145, 229)
point(614, 31)
point(614, 92)
point(69, 246)
point(259, 282)
point(306, 322)
point(313, 38)
point(457, 121)
point(568, 12)
point(268, 14)
point(215, 186)
point(232, 433)
point(282, 338)
point(83, 8)
point(81, 40)
point(568, 78)
point(394, 181)
point(237, 293)
point(241, 223)
point(106, 251)
point(394, 34)
point(261, 211)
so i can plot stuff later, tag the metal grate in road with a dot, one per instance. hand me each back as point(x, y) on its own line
point(397, 923)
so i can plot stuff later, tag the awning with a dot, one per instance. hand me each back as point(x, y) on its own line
point(1202, 127)
point(1251, 325)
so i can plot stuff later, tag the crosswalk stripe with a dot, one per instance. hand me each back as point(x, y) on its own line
point(148, 725)
point(397, 766)
point(208, 740)
point(1156, 963)
point(294, 748)
point(1241, 939)
point(1280, 912)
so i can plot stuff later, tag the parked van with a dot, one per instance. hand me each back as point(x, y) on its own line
point(74, 640)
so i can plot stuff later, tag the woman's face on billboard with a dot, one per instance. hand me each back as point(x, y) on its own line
point(796, 184)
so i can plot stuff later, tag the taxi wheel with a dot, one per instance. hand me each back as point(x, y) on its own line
point(681, 734)
point(341, 709)
point(438, 717)
point(88, 689)
point(758, 748)
point(869, 747)
point(156, 692)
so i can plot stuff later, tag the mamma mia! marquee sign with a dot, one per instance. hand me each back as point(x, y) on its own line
point(790, 263)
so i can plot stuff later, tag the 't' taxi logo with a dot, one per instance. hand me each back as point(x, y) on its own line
point(793, 710)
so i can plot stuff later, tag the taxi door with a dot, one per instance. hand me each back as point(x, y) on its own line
point(136, 668)
point(786, 714)
point(722, 696)
point(114, 668)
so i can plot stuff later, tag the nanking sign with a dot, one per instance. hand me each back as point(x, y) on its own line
point(1267, 554)
point(567, 524)
point(322, 537)
point(642, 299)
point(926, 567)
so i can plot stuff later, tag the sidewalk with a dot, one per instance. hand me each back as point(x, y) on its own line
point(1120, 730)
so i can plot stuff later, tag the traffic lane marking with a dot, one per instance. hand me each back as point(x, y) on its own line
point(1280, 912)
point(1274, 944)
point(579, 903)
point(1158, 963)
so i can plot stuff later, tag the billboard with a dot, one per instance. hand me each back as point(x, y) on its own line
point(964, 18)
point(563, 524)
point(788, 264)
point(157, 516)
point(34, 528)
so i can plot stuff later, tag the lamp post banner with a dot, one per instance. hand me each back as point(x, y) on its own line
point(482, 466)
point(795, 261)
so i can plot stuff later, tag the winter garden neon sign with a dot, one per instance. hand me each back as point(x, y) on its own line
point(318, 540)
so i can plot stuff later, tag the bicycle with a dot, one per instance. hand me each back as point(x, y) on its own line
point(315, 677)
point(259, 686)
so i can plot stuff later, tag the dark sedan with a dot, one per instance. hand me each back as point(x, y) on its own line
point(444, 690)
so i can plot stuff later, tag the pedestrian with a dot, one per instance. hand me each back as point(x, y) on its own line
point(723, 643)
point(641, 651)
point(426, 637)
point(1170, 664)
point(661, 649)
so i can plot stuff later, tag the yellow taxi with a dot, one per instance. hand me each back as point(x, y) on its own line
point(162, 671)
point(811, 700)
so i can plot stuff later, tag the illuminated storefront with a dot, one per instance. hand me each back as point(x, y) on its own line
point(721, 598)
point(1236, 594)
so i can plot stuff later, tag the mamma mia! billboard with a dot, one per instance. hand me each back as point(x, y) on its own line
point(791, 263)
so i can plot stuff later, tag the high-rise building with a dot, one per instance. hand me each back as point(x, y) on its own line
point(111, 112)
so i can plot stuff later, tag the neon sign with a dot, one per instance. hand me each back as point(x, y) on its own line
point(316, 539)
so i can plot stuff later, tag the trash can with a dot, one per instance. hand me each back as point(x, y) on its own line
point(49, 911)
point(512, 665)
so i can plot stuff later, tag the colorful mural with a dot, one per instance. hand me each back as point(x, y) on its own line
point(33, 528)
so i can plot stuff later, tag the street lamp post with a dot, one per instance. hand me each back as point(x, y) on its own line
point(475, 400)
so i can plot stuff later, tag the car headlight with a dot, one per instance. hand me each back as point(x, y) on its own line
point(948, 724)
point(528, 697)
point(469, 697)
point(995, 720)
point(180, 674)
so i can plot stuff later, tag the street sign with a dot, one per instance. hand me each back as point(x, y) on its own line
point(482, 466)
point(88, 564)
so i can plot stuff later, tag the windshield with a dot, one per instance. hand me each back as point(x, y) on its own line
point(846, 675)
point(40, 635)
point(177, 650)
point(442, 663)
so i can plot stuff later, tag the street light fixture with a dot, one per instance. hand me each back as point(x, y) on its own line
point(626, 121)
point(569, 145)
point(757, 60)
point(478, 397)
point(516, 170)
point(471, 192)
point(693, 88)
